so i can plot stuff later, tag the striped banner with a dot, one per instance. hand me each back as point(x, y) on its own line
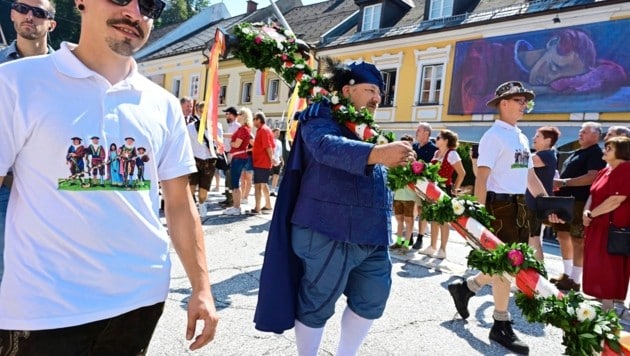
point(211, 107)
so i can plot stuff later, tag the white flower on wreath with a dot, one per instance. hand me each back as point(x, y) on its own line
point(381, 140)
point(458, 207)
point(288, 33)
point(585, 312)
point(246, 30)
point(280, 46)
point(334, 100)
point(316, 90)
point(300, 66)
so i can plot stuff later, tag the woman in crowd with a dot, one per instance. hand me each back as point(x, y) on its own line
point(239, 142)
point(605, 275)
point(446, 142)
point(545, 163)
point(404, 208)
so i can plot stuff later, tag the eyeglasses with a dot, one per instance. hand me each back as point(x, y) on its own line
point(149, 8)
point(37, 11)
point(520, 101)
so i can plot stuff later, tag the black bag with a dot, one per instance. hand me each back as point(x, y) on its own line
point(618, 240)
point(222, 162)
point(561, 206)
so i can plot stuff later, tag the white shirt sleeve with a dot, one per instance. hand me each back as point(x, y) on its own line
point(453, 157)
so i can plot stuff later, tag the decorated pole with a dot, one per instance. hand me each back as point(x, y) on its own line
point(529, 281)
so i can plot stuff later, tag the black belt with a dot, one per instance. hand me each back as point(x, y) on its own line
point(492, 196)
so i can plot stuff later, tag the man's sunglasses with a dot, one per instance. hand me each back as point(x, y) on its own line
point(37, 11)
point(149, 8)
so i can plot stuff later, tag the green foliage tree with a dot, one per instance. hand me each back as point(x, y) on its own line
point(178, 11)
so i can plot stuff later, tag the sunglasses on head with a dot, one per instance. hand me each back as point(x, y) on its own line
point(149, 8)
point(37, 11)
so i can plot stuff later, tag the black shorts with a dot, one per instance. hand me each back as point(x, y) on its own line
point(261, 175)
point(205, 173)
point(275, 170)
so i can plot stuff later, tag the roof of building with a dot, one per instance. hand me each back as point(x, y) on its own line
point(413, 22)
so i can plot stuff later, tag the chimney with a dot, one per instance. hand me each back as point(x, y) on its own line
point(251, 6)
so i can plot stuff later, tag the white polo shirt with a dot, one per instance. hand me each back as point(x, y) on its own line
point(75, 255)
point(505, 150)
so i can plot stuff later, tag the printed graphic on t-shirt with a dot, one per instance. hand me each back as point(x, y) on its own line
point(521, 159)
point(93, 168)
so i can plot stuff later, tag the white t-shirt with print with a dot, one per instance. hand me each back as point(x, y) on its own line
point(505, 150)
point(76, 253)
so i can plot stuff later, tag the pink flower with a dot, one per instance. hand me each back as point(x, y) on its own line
point(258, 40)
point(417, 167)
point(313, 81)
point(516, 257)
point(285, 57)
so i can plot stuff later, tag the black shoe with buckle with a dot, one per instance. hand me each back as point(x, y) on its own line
point(461, 295)
point(418, 244)
point(502, 333)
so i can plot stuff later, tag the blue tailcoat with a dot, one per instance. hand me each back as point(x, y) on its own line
point(328, 187)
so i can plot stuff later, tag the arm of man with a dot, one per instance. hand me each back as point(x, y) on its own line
point(582, 180)
point(481, 182)
point(186, 233)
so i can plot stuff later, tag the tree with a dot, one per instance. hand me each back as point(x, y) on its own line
point(178, 11)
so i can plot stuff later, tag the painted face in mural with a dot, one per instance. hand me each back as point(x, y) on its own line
point(552, 65)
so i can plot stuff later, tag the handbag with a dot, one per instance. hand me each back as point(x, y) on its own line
point(561, 206)
point(618, 239)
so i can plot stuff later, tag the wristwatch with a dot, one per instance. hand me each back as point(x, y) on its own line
point(564, 182)
point(588, 214)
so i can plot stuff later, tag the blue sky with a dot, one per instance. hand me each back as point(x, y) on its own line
point(237, 7)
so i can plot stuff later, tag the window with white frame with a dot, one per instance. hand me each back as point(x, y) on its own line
point(431, 84)
point(246, 92)
point(176, 84)
point(388, 95)
point(440, 9)
point(222, 94)
point(194, 86)
point(371, 17)
point(273, 90)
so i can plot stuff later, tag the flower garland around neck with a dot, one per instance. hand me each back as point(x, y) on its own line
point(269, 46)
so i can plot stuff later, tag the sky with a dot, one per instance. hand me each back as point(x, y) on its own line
point(237, 7)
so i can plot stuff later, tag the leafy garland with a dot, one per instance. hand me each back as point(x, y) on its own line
point(510, 258)
point(586, 326)
point(448, 209)
point(262, 46)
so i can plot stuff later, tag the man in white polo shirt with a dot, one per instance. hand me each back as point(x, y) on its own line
point(88, 268)
point(503, 175)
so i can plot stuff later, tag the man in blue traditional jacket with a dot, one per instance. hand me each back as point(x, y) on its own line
point(337, 208)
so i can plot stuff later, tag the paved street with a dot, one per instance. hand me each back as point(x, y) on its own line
point(420, 318)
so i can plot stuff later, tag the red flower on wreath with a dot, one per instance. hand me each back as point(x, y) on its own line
point(516, 257)
point(417, 167)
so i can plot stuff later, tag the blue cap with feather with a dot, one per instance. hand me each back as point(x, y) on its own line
point(358, 72)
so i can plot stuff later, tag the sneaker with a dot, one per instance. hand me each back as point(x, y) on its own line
point(232, 211)
point(567, 284)
point(272, 194)
point(253, 212)
point(394, 246)
point(215, 189)
point(418, 244)
point(203, 211)
point(265, 210)
point(502, 333)
point(461, 295)
point(441, 254)
point(429, 251)
point(244, 201)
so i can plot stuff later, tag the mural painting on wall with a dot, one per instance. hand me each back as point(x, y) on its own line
point(573, 69)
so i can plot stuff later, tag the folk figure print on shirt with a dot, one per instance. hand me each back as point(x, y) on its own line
point(92, 168)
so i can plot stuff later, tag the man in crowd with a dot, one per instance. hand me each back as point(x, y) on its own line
point(262, 160)
point(425, 149)
point(501, 183)
point(73, 285)
point(577, 173)
point(205, 158)
point(615, 131)
point(33, 20)
point(337, 219)
point(232, 125)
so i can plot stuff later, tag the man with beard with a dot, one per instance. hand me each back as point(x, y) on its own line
point(32, 19)
point(65, 291)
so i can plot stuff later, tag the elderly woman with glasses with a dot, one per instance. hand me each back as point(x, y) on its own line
point(606, 275)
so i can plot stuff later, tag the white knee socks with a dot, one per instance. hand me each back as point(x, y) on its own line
point(354, 329)
point(307, 339)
